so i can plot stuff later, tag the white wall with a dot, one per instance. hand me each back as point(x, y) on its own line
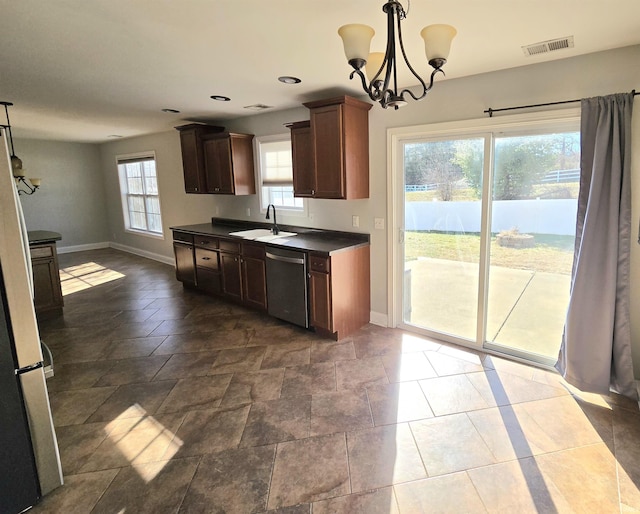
point(71, 199)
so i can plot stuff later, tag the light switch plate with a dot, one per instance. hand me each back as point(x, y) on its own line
point(355, 221)
point(378, 223)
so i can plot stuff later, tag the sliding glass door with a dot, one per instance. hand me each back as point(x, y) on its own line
point(489, 230)
point(442, 236)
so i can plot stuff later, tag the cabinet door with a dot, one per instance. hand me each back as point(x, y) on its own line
point(185, 266)
point(328, 149)
point(192, 165)
point(254, 279)
point(320, 300)
point(304, 181)
point(218, 165)
point(208, 280)
point(46, 285)
point(231, 278)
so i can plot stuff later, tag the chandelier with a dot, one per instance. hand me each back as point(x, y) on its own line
point(16, 163)
point(381, 68)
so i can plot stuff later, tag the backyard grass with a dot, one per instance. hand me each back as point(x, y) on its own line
point(552, 254)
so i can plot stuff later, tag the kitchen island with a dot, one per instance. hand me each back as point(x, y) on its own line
point(336, 295)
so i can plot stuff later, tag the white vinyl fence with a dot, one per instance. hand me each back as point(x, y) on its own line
point(556, 217)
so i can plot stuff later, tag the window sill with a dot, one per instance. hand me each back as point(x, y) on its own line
point(152, 235)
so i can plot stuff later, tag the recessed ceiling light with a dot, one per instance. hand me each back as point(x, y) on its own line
point(285, 79)
point(172, 111)
point(221, 98)
point(115, 136)
point(258, 107)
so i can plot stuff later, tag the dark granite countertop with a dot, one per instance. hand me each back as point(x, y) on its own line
point(310, 240)
point(42, 236)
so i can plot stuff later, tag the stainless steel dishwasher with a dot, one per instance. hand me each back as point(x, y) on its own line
point(287, 296)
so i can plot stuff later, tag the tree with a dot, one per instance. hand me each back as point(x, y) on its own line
point(432, 163)
point(470, 158)
point(519, 163)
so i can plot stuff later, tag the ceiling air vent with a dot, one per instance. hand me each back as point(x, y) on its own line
point(258, 107)
point(548, 46)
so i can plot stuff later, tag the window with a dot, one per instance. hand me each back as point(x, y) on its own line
point(276, 175)
point(139, 189)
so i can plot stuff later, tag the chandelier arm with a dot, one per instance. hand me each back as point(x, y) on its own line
point(426, 89)
point(374, 93)
point(22, 181)
point(415, 74)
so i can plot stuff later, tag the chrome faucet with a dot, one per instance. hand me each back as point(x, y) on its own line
point(275, 228)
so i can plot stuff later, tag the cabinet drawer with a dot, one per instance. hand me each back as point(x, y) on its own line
point(182, 236)
point(255, 251)
point(41, 252)
point(229, 246)
point(319, 263)
point(207, 259)
point(206, 241)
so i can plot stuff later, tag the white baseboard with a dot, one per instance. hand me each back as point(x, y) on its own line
point(82, 248)
point(378, 318)
point(143, 253)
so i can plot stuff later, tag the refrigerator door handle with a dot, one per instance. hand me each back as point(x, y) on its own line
point(26, 369)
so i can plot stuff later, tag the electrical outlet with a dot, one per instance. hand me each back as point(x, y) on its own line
point(248, 211)
point(378, 223)
point(217, 211)
point(355, 221)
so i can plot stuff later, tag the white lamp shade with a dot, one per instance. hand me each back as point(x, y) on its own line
point(35, 182)
point(437, 40)
point(374, 62)
point(356, 39)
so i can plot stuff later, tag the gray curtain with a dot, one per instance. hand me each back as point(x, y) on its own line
point(595, 355)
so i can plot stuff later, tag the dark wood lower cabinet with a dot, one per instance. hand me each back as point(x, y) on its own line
point(339, 284)
point(339, 291)
point(185, 264)
point(254, 282)
point(231, 275)
point(320, 300)
point(46, 278)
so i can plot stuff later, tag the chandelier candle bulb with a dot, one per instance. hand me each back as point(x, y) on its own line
point(374, 63)
point(437, 41)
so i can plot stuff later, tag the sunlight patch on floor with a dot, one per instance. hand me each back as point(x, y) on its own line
point(144, 441)
point(84, 276)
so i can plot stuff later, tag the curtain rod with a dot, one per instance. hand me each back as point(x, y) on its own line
point(490, 111)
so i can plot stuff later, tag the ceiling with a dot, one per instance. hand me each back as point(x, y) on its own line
point(79, 70)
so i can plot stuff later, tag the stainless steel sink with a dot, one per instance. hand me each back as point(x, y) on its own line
point(261, 234)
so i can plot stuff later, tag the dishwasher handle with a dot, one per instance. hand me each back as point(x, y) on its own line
point(291, 260)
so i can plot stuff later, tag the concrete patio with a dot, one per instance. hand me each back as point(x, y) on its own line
point(526, 309)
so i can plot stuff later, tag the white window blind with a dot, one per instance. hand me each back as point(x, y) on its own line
point(276, 176)
point(277, 164)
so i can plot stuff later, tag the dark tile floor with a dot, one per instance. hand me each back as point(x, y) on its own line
point(166, 400)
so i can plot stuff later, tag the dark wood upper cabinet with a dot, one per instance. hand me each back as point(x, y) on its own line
point(193, 156)
point(339, 134)
point(304, 178)
point(228, 163)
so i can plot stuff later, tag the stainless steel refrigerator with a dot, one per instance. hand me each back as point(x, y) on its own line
point(29, 459)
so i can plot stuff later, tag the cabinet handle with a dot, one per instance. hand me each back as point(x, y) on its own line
point(206, 258)
point(313, 192)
